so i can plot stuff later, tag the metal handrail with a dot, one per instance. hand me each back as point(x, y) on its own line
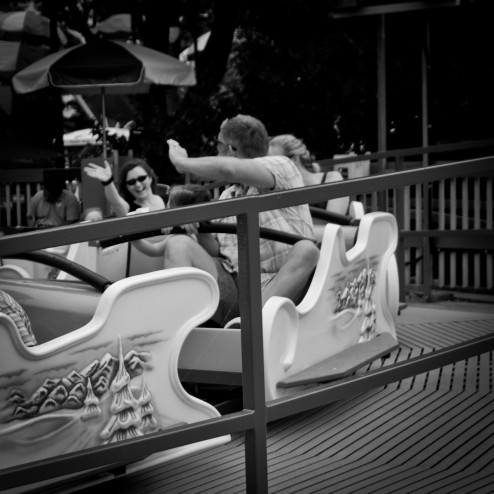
point(253, 418)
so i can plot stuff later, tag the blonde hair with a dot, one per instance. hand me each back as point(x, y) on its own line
point(294, 147)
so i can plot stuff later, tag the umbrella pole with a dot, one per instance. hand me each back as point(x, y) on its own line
point(103, 113)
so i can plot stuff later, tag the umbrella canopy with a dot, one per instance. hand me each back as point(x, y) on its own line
point(118, 67)
point(15, 55)
point(104, 66)
point(24, 38)
point(24, 26)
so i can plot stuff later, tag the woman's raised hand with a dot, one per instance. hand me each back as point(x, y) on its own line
point(103, 174)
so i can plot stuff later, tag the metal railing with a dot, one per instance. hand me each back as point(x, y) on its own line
point(253, 419)
point(436, 219)
point(435, 216)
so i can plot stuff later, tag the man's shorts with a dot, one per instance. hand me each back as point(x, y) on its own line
point(228, 307)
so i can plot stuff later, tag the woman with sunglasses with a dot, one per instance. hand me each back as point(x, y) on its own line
point(136, 188)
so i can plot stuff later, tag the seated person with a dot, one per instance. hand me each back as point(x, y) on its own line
point(186, 194)
point(11, 308)
point(296, 150)
point(54, 205)
point(179, 195)
point(243, 160)
point(136, 189)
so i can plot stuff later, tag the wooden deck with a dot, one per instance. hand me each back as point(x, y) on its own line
point(433, 433)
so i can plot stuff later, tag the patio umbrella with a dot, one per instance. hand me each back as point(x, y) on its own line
point(24, 38)
point(104, 66)
point(24, 25)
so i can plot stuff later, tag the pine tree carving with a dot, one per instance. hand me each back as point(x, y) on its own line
point(149, 422)
point(125, 417)
point(91, 403)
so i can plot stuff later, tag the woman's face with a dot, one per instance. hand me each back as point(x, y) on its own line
point(138, 182)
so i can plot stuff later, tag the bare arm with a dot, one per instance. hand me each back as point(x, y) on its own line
point(206, 240)
point(234, 170)
point(103, 174)
point(149, 248)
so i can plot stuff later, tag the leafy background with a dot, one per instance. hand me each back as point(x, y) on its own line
point(293, 66)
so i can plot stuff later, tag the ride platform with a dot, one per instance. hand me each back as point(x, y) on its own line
point(432, 433)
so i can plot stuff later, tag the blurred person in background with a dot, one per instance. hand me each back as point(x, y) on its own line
point(54, 205)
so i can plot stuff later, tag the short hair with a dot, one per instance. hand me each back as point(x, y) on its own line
point(247, 134)
point(53, 185)
point(122, 177)
point(293, 146)
point(186, 194)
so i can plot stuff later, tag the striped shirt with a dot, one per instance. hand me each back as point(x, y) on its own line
point(294, 219)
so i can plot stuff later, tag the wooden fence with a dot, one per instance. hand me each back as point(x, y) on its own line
point(459, 261)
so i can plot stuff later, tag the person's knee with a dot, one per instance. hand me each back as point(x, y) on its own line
point(307, 254)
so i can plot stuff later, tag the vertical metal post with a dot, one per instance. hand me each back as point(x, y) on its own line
point(103, 125)
point(426, 243)
point(400, 219)
point(252, 352)
point(381, 104)
point(425, 88)
point(381, 89)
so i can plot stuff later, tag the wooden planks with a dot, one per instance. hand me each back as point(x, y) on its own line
point(432, 433)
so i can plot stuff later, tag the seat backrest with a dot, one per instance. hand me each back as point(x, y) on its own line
point(347, 302)
point(350, 298)
point(338, 205)
point(113, 378)
point(162, 190)
point(13, 271)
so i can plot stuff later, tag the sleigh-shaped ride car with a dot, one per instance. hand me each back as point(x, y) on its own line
point(112, 356)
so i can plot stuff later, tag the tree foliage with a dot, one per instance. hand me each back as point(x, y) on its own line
point(299, 70)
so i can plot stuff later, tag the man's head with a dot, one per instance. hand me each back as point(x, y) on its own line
point(243, 136)
point(53, 186)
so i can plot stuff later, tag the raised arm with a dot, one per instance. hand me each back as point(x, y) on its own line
point(229, 168)
point(105, 176)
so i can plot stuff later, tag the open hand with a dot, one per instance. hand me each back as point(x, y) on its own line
point(191, 228)
point(177, 154)
point(100, 173)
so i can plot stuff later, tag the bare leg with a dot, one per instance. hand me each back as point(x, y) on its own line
point(291, 280)
point(184, 251)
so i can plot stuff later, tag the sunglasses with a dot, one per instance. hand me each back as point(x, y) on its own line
point(133, 181)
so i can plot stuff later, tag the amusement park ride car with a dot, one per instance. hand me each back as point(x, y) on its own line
point(114, 350)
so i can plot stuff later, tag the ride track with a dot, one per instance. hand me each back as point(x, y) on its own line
point(256, 413)
point(431, 432)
